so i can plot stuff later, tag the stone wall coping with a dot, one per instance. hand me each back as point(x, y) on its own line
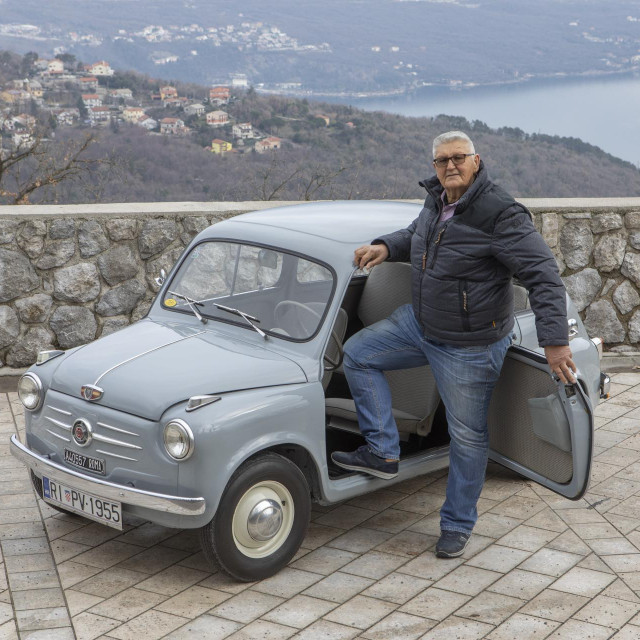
point(119, 209)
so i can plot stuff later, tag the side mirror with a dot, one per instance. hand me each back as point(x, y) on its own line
point(161, 278)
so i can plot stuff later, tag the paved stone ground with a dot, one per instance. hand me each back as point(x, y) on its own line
point(538, 566)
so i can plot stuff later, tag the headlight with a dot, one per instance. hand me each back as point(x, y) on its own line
point(178, 439)
point(30, 391)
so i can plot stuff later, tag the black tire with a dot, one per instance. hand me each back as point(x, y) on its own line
point(221, 546)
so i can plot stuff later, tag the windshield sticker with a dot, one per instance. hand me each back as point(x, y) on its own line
point(170, 302)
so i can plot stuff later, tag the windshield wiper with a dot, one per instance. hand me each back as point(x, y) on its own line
point(243, 315)
point(192, 305)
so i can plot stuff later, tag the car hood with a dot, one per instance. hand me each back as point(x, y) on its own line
point(149, 366)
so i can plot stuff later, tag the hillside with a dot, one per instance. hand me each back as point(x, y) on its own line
point(346, 153)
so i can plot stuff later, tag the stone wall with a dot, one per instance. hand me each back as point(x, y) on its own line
point(70, 274)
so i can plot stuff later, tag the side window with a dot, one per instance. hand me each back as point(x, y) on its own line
point(312, 272)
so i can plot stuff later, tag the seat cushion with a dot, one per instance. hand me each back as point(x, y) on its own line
point(345, 409)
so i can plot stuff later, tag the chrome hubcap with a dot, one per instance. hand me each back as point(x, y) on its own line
point(265, 520)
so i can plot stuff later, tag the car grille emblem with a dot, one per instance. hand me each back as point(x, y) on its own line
point(90, 392)
point(81, 432)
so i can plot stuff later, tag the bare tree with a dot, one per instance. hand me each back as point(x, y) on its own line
point(39, 163)
point(318, 177)
point(270, 180)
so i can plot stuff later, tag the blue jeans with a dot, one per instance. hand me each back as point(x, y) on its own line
point(465, 377)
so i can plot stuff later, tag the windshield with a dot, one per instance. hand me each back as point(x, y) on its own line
point(282, 294)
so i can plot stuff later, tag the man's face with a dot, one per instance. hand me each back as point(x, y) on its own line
point(457, 177)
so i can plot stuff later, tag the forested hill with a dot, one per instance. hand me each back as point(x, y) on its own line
point(380, 156)
point(326, 151)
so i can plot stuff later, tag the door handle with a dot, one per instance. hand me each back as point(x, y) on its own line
point(573, 327)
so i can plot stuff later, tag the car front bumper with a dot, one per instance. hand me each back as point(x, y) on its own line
point(40, 466)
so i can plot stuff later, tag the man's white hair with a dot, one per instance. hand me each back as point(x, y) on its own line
point(452, 136)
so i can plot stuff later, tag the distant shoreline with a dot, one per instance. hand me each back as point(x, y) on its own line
point(451, 85)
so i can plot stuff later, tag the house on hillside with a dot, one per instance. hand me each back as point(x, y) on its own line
point(220, 146)
point(268, 144)
point(195, 109)
point(22, 138)
point(88, 84)
point(101, 68)
point(217, 118)
point(219, 95)
point(66, 117)
point(91, 100)
point(55, 66)
point(168, 92)
point(132, 114)
point(124, 93)
point(175, 103)
point(35, 88)
point(147, 123)
point(242, 130)
point(24, 121)
point(99, 115)
point(239, 80)
point(172, 126)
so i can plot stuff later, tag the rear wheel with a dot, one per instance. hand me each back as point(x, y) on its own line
point(261, 520)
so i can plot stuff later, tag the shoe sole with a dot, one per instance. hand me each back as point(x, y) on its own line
point(444, 554)
point(372, 472)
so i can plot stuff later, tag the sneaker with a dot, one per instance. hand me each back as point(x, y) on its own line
point(451, 544)
point(362, 459)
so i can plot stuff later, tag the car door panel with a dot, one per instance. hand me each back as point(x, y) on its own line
point(539, 427)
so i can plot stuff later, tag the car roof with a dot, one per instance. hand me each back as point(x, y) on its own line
point(343, 222)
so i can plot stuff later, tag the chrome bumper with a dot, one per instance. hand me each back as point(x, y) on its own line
point(116, 492)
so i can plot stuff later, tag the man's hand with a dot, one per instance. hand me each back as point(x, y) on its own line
point(559, 359)
point(369, 255)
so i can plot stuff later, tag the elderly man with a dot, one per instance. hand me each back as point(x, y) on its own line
point(470, 238)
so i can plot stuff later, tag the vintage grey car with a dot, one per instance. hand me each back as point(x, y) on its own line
point(220, 409)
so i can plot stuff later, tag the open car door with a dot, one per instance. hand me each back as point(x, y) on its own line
point(539, 427)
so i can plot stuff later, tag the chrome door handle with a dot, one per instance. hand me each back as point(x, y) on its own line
point(573, 327)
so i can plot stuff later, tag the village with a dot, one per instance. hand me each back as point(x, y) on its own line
point(59, 92)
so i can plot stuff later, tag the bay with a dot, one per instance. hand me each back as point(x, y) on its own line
point(604, 111)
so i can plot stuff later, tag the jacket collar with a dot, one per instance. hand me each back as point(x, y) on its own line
point(435, 189)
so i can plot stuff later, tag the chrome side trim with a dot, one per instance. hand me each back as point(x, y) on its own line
point(144, 353)
point(62, 425)
point(108, 490)
point(115, 455)
point(57, 435)
point(62, 411)
point(108, 426)
point(116, 443)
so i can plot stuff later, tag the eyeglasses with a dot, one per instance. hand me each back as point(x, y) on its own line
point(458, 159)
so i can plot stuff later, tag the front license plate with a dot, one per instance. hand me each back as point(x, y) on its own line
point(86, 504)
point(97, 465)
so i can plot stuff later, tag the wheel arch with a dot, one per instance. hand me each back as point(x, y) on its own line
point(302, 458)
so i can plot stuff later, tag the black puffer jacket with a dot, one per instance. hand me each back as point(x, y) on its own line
point(462, 268)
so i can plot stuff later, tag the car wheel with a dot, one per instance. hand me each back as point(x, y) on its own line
point(261, 520)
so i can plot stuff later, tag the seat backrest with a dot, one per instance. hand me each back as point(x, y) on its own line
point(388, 287)
point(520, 298)
point(413, 391)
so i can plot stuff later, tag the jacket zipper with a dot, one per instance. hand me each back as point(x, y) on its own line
point(428, 236)
point(464, 303)
point(437, 244)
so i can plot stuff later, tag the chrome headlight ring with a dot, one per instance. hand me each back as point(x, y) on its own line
point(178, 439)
point(30, 391)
